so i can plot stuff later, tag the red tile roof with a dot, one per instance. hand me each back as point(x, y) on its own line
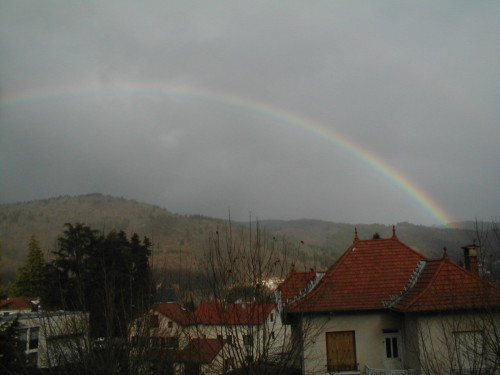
point(175, 312)
point(444, 285)
point(385, 273)
point(220, 313)
point(365, 276)
point(16, 303)
point(295, 283)
point(200, 350)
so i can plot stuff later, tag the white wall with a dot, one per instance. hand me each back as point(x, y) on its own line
point(369, 340)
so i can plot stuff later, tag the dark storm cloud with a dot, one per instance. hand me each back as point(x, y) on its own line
point(415, 84)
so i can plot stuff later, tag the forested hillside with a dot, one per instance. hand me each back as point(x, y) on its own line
point(175, 238)
point(180, 240)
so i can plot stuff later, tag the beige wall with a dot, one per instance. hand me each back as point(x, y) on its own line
point(370, 343)
point(440, 350)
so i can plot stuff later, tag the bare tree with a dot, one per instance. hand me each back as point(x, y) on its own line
point(240, 273)
point(460, 333)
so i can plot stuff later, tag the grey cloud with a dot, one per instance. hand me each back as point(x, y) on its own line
point(414, 84)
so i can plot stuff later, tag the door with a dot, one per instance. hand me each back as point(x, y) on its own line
point(341, 351)
point(391, 341)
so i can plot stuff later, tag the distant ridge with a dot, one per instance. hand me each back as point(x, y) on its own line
point(180, 240)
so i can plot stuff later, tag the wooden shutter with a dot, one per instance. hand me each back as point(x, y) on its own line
point(341, 351)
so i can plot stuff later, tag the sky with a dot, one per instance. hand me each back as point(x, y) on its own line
point(359, 112)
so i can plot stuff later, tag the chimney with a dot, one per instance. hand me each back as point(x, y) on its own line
point(470, 258)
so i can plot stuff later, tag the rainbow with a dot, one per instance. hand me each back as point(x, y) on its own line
point(421, 197)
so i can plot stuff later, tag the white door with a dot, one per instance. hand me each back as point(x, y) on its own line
point(392, 350)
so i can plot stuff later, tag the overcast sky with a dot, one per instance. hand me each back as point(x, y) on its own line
point(205, 106)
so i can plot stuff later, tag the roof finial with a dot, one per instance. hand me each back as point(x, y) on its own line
point(355, 234)
point(394, 232)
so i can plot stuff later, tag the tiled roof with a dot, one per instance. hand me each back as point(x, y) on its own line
point(16, 303)
point(175, 312)
point(368, 273)
point(200, 350)
point(220, 313)
point(385, 273)
point(295, 283)
point(444, 285)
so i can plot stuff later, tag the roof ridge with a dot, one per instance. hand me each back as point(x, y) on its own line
point(412, 281)
point(323, 279)
point(429, 284)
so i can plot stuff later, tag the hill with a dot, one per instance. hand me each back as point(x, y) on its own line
point(180, 240)
point(176, 238)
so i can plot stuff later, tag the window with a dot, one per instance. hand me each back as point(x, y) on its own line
point(391, 347)
point(468, 349)
point(271, 317)
point(272, 335)
point(170, 324)
point(341, 351)
point(248, 340)
point(170, 342)
point(228, 364)
point(33, 343)
point(154, 321)
point(22, 337)
point(229, 339)
point(391, 341)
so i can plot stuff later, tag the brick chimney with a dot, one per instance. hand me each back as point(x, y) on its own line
point(470, 258)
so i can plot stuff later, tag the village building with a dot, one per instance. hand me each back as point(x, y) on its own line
point(253, 329)
point(15, 305)
point(205, 356)
point(384, 308)
point(231, 335)
point(48, 339)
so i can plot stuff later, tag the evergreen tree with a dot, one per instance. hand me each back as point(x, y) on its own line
point(12, 360)
point(30, 277)
point(106, 275)
point(69, 273)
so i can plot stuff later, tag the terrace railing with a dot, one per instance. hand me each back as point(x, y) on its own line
point(381, 371)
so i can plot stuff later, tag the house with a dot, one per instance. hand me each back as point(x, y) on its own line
point(16, 305)
point(204, 356)
point(158, 335)
point(249, 332)
point(50, 339)
point(166, 325)
point(385, 307)
point(295, 285)
point(254, 329)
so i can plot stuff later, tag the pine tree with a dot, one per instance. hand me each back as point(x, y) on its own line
point(30, 278)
